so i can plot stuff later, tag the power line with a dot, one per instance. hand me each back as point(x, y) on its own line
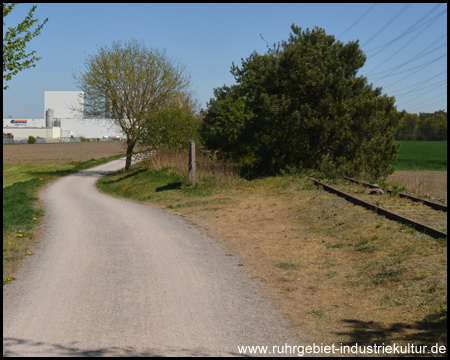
point(435, 86)
point(412, 39)
point(425, 102)
point(337, 16)
point(422, 82)
point(423, 93)
point(428, 64)
point(417, 90)
point(385, 26)
point(416, 57)
point(357, 21)
point(408, 70)
point(408, 31)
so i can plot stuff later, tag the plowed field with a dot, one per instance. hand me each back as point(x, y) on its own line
point(60, 153)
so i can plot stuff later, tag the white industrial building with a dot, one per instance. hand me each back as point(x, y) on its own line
point(63, 119)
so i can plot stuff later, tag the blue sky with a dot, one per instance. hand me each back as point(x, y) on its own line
point(406, 44)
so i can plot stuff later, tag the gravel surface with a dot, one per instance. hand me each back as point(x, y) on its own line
point(116, 278)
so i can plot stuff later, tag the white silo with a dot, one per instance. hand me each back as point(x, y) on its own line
point(49, 118)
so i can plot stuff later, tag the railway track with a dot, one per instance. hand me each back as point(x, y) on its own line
point(432, 204)
point(436, 221)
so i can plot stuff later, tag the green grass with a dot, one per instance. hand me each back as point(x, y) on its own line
point(139, 184)
point(16, 173)
point(21, 183)
point(166, 184)
point(318, 313)
point(18, 206)
point(422, 155)
point(287, 266)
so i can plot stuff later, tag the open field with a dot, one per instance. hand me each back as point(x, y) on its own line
point(426, 184)
point(60, 153)
point(422, 155)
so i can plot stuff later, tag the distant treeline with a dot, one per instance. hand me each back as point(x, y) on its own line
point(423, 127)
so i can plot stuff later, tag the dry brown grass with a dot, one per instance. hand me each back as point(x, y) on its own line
point(209, 170)
point(399, 205)
point(431, 184)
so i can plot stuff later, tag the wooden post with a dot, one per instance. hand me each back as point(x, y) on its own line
point(192, 164)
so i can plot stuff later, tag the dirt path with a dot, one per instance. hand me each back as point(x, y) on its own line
point(115, 278)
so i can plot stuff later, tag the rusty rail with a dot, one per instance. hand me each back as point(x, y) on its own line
point(390, 215)
point(432, 204)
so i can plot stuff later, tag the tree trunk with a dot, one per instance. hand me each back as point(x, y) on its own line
point(130, 147)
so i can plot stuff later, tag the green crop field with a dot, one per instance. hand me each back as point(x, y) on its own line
point(422, 155)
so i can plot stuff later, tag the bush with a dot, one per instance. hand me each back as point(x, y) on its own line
point(172, 127)
point(31, 140)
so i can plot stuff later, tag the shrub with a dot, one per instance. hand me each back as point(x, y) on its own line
point(31, 140)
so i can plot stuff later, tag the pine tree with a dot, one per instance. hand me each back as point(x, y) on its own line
point(224, 122)
point(311, 110)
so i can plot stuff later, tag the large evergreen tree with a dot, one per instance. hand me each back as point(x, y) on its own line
point(311, 110)
point(224, 122)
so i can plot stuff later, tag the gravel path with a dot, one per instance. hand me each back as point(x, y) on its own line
point(116, 278)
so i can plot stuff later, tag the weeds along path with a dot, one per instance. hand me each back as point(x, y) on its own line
point(116, 278)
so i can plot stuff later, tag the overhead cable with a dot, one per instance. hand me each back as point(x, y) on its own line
point(408, 31)
point(416, 57)
point(407, 70)
point(385, 26)
point(421, 94)
point(357, 21)
point(435, 85)
point(421, 105)
point(428, 64)
point(417, 85)
point(389, 58)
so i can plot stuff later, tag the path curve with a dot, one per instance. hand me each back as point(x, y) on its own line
point(116, 278)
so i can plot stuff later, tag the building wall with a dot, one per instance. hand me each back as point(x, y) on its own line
point(72, 121)
point(89, 128)
point(25, 132)
point(65, 104)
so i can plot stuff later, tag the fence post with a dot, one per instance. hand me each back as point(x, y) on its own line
point(192, 164)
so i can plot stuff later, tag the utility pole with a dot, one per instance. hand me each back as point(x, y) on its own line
point(192, 164)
